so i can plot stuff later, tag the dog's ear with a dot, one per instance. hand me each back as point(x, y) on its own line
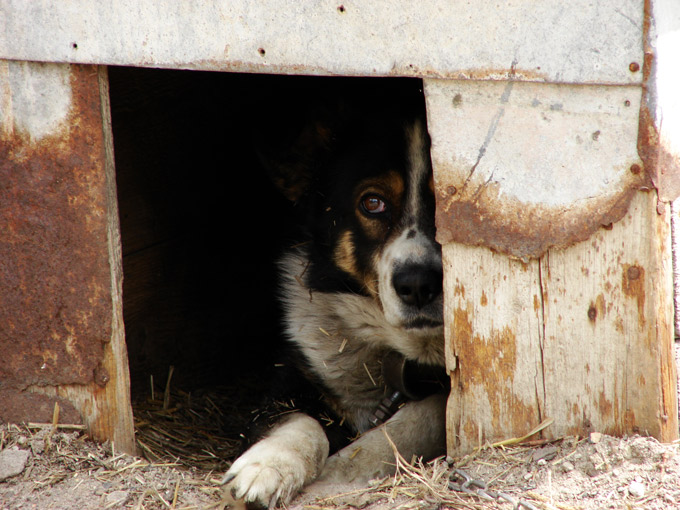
point(301, 121)
point(299, 124)
point(292, 155)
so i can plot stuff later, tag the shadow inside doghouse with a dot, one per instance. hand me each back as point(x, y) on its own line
point(202, 227)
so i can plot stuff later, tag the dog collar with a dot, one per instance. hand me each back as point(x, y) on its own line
point(406, 380)
point(387, 408)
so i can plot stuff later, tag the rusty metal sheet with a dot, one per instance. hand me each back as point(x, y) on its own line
point(55, 282)
point(580, 41)
point(16, 406)
point(522, 167)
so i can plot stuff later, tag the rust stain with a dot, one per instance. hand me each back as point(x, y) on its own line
point(597, 309)
point(470, 430)
point(55, 302)
point(483, 301)
point(605, 406)
point(633, 286)
point(581, 424)
point(462, 328)
point(575, 411)
point(16, 405)
point(490, 363)
point(606, 410)
point(524, 231)
point(629, 423)
point(601, 305)
point(610, 411)
point(618, 325)
point(495, 355)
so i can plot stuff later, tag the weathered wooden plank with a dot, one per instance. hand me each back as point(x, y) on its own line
point(60, 274)
point(608, 329)
point(494, 333)
point(583, 336)
point(543, 40)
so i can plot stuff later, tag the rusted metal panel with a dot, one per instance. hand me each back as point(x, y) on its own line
point(522, 167)
point(55, 282)
point(18, 406)
point(542, 40)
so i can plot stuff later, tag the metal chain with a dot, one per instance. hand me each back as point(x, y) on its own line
point(460, 481)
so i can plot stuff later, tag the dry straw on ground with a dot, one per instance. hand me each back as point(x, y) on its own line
point(187, 440)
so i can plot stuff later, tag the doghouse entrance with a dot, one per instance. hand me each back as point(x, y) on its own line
point(201, 227)
point(200, 224)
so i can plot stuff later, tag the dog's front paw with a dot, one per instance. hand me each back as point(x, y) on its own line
point(262, 482)
point(273, 470)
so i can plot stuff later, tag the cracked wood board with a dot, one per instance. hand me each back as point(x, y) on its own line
point(60, 276)
point(582, 335)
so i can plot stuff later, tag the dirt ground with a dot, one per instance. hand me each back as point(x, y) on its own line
point(62, 469)
point(185, 442)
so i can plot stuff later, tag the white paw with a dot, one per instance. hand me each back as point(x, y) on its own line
point(273, 470)
point(264, 477)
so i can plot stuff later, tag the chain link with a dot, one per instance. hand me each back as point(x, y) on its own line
point(460, 481)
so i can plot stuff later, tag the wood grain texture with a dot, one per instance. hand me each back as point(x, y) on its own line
point(583, 335)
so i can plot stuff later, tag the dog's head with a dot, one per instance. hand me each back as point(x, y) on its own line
point(364, 180)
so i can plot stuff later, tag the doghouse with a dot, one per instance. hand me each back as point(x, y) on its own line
point(555, 151)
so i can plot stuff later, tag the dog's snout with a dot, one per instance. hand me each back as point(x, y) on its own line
point(417, 285)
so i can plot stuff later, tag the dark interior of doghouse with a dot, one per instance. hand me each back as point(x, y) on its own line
point(202, 226)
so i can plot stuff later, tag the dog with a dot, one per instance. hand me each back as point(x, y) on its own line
point(362, 304)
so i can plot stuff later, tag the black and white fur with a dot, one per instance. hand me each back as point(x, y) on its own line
point(365, 281)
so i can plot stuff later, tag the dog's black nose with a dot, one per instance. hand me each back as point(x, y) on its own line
point(417, 285)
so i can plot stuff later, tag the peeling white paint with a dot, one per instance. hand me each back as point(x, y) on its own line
point(35, 99)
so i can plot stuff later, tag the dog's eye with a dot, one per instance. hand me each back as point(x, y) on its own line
point(373, 204)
